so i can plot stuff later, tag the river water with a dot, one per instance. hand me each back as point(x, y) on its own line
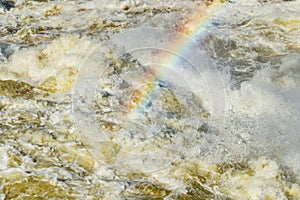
point(96, 103)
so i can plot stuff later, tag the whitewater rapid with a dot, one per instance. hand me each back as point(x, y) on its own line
point(231, 129)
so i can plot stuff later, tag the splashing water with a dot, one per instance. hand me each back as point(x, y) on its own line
point(211, 112)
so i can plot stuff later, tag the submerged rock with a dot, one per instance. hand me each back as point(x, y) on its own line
point(7, 5)
point(6, 50)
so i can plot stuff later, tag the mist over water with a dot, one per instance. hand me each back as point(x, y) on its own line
point(104, 107)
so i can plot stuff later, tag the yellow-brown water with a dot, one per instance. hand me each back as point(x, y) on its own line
point(255, 46)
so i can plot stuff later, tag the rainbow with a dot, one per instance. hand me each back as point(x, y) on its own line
point(193, 31)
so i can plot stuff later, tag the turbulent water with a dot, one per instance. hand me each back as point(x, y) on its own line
point(88, 111)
